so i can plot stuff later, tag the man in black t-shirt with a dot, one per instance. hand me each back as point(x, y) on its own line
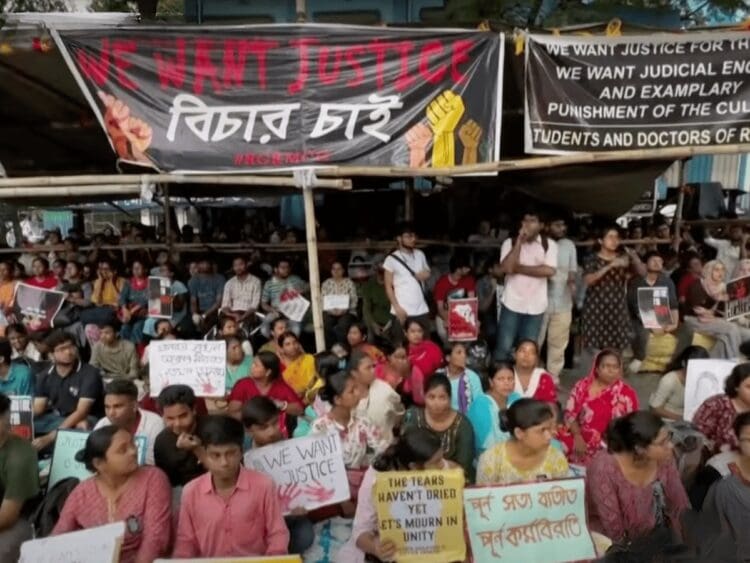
point(69, 394)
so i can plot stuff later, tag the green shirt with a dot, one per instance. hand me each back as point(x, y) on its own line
point(375, 301)
point(19, 475)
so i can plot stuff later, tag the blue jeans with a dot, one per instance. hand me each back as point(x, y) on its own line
point(301, 534)
point(514, 327)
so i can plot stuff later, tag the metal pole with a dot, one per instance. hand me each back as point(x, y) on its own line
point(312, 259)
point(301, 9)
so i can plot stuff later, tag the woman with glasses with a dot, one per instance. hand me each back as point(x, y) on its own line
point(634, 489)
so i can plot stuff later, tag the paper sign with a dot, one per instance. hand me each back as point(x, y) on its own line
point(739, 298)
point(530, 522)
point(704, 379)
point(95, 545)
point(159, 298)
point(309, 472)
point(422, 513)
point(269, 559)
point(293, 305)
point(653, 306)
point(21, 416)
point(463, 319)
point(335, 302)
point(67, 444)
point(199, 364)
point(35, 308)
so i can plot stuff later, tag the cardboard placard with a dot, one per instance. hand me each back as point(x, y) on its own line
point(22, 416)
point(159, 298)
point(336, 302)
point(95, 545)
point(653, 307)
point(422, 513)
point(199, 364)
point(293, 305)
point(309, 472)
point(738, 291)
point(704, 379)
point(36, 308)
point(543, 521)
point(463, 319)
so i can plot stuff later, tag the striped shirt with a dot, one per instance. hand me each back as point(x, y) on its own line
point(242, 295)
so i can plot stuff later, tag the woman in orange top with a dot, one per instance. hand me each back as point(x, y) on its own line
point(7, 289)
point(105, 298)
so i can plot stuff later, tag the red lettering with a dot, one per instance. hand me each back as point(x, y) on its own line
point(171, 70)
point(235, 56)
point(404, 80)
point(121, 47)
point(238, 159)
point(459, 55)
point(359, 74)
point(428, 51)
point(262, 159)
point(276, 158)
point(324, 75)
point(380, 49)
point(95, 70)
point(292, 158)
point(204, 67)
point(304, 64)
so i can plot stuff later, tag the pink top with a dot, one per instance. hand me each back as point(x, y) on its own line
point(714, 418)
point(524, 294)
point(427, 356)
point(619, 509)
point(147, 524)
point(249, 523)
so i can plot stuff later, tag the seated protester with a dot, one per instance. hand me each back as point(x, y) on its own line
point(178, 450)
point(298, 367)
point(398, 372)
point(15, 377)
point(715, 417)
point(105, 298)
point(228, 327)
point(206, 291)
point(114, 357)
point(456, 284)
point(326, 364)
point(238, 362)
point(338, 321)
point(416, 450)
point(423, 352)
point(356, 337)
point(134, 303)
point(241, 297)
point(230, 511)
point(379, 402)
point(121, 410)
point(529, 454)
point(465, 383)
point(668, 401)
point(23, 349)
point(634, 487)
point(162, 331)
point(120, 490)
point(532, 381)
point(453, 429)
point(594, 402)
point(41, 276)
point(19, 484)
point(178, 294)
point(69, 394)
point(278, 327)
point(7, 293)
point(265, 381)
point(484, 412)
point(282, 282)
point(263, 424)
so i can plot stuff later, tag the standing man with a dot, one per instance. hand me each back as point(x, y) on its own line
point(560, 291)
point(376, 308)
point(730, 252)
point(241, 293)
point(406, 270)
point(528, 262)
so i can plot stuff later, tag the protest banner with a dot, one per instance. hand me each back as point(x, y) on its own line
point(336, 94)
point(704, 379)
point(636, 92)
point(293, 305)
point(22, 416)
point(199, 364)
point(159, 298)
point(421, 512)
point(67, 445)
point(94, 545)
point(738, 291)
point(653, 307)
point(309, 472)
point(544, 521)
point(269, 559)
point(36, 308)
point(463, 319)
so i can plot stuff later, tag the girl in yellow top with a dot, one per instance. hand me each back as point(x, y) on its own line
point(529, 454)
point(298, 368)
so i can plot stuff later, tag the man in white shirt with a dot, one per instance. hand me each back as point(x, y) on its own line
point(121, 408)
point(729, 252)
point(527, 264)
point(241, 294)
point(406, 270)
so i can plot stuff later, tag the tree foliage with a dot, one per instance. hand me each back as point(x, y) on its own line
point(148, 9)
point(33, 6)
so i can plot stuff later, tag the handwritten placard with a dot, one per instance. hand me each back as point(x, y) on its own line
point(67, 444)
point(530, 522)
point(21, 416)
point(95, 545)
point(463, 319)
point(422, 514)
point(159, 298)
point(35, 307)
point(199, 364)
point(704, 379)
point(653, 307)
point(335, 302)
point(309, 472)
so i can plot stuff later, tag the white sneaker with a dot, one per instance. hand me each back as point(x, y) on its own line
point(634, 366)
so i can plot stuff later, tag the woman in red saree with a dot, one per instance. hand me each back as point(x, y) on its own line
point(423, 352)
point(594, 402)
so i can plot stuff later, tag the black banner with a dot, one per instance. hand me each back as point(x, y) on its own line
point(623, 93)
point(285, 96)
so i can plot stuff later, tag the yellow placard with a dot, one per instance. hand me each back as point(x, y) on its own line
point(422, 513)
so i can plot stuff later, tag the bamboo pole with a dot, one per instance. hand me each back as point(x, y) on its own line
point(167, 219)
point(680, 198)
point(70, 191)
point(314, 267)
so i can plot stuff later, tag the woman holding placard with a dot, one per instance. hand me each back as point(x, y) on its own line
point(298, 367)
point(484, 412)
point(529, 454)
point(121, 491)
point(339, 304)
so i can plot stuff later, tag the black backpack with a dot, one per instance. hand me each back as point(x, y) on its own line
point(47, 513)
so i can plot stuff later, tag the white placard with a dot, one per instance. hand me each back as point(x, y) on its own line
point(336, 302)
point(199, 364)
point(705, 378)
point(308, 472)
point(95, 545)
point(294, 307)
